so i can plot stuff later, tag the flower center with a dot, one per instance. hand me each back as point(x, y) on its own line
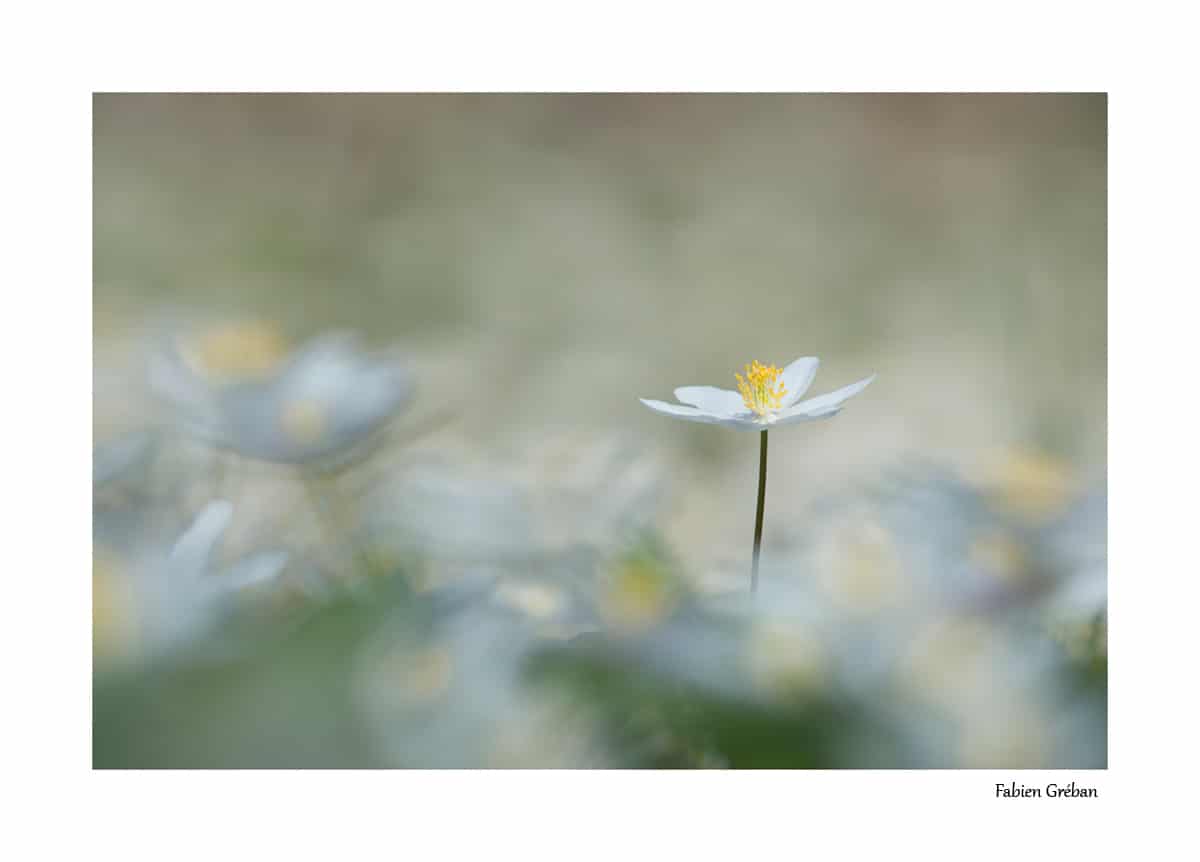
point(761, 388)
point(304, 422)
point(236, 350)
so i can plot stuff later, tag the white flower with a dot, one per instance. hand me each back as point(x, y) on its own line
point(168, 599)
point(767, 397)
point(1079, 549)
point(117, 458)
point(327, 398)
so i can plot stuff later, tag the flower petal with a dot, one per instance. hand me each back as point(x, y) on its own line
point(722, 402)
point(748, 422)
point(691, 414)
point(823, 405)
point(252, 570)
point(189, 557)
point(791, 417)
point(797, 377)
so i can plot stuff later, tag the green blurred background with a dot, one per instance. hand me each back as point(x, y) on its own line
point(547, 259)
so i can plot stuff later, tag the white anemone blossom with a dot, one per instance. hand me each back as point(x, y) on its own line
point(325, 399)
point(767, 397)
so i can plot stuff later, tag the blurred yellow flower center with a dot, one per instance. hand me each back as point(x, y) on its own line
point(860, 566)
point(304, 422)
point(243, 349)
point(114, 610)
point(534, 600)
point(638, 596)
point(1000, 555)
point(427, 674)
point(785, 661)
point(1032, 485)
point(761, 388)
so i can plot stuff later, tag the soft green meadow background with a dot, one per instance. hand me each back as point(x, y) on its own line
point(553, 257)
point(544, 260)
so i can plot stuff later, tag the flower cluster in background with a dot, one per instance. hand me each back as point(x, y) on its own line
point(350, 596)
point(385, 497)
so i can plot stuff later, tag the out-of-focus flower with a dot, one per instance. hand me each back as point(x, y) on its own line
point(768, 397)
point(536, 601)
point(1076, 610)
point(114, 609)
point(1001, 555)
point(803, 636)
point(524, 503)
point(234, 351)
point(123, 495)
point(952, 545)
point(446, 511)
point(116, 458)
point(1030, 485)
point(548, 733)
point(637, 593)
point(988, 689)
point(323, 401)
point(787, 660)
point(554, 605)
point(587, 489)
point(424, 674)
point(859, 565)
point(160, 601)
point(439, 698)
point(945, 657)
point(1078, 545)
point(1006, 735)
point(1080, 639)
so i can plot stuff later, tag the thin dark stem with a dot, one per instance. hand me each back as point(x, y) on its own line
point(758, 516)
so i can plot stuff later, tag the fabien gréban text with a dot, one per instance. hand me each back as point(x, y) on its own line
point(1013, 790)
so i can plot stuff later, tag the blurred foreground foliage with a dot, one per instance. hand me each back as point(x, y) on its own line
point(371, 676)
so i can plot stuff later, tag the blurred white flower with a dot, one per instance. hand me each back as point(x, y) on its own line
point(530, 498)
point(637, 594)
point(1029, 485)
point(323, 401)
point(437, 700)
point(767, 397)
point(166, 600)
point(786, 659)
point(113, 459)
point(1000, 554)
point(953, 548)
point(588, 488)
point(447, 511)
point(530, 599)
point(1078, 544)
point(124, 504)
point(858, 563)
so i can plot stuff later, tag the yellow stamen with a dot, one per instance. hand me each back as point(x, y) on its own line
point(761, 388)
